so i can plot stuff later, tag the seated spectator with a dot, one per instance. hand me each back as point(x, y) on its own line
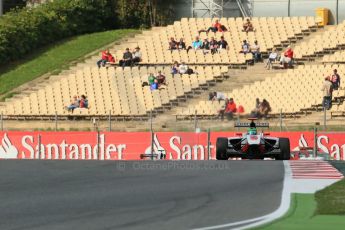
point(264, 109)
point(287, 58)
point(230, 109)
point(184, 69)
point(213, 96)
point(196, 44)
point(160, 79)
point(335, 79)
point(248, 26)
point(74, 104)
point(245, 47)
point(255, 49)
point(154, 85)
point(327, 93)
point(126, 59)
point(181, 45)
point(175, 68)
point(136, 56)
point(172, 44)
point(222, 109)
point(222, 44)
point(83, 103)
point(271, 58)
point(111, 59)
point(213, 45)
point(205, 45)
point(217, 26)
point(104, 58)
point(151, 78)
point(256, 111)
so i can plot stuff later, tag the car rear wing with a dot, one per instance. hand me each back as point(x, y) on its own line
point(247, 125)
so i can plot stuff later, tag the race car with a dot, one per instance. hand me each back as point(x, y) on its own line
point(252, 145)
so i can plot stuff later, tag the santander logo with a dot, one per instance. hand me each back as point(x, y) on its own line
point(7, 150)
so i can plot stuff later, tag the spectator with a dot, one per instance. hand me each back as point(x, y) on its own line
point(222, 109)
point(111, 59)
point(213, 45)
point(230, 109)
point(154, 85)
point(151, 78)
point(205, 45)
point(248, 26)
point(222, 44)
point(175, 68)
point(245, 47)
point(327, 93)
point(160, 79)
point(74, 104)
point(213, 96)
point(104, 58)
point(172, 44)
point(196, 44)
point(83, 103)
point(126, 59)
point(287, 58)
point(271, 58)
point(136, 55)
point(217, 26)
point(264, 109)
point(335, 80)
point(181, 45)
point(255, 49)
point(184, 69)
point(256, 111)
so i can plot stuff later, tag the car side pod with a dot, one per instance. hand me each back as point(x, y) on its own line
point(238, 134)
point(267, 134)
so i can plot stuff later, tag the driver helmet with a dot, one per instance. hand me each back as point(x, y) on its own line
point(252, 131)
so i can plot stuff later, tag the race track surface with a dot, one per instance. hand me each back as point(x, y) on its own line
point(136, 195)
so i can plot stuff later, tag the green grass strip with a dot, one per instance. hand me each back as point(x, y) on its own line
point(55, 58)
point(301, 216)
point(331, 200)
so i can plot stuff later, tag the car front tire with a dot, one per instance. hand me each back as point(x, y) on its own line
point(221, 146)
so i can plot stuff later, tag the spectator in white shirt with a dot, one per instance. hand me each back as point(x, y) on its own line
point(136, 56)
point(271, 58)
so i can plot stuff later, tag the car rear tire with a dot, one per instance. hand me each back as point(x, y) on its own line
point(284, 145)
point(221, 146)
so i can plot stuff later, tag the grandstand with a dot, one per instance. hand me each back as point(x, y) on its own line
point(118, 92)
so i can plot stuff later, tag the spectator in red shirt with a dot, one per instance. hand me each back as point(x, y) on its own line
point(111, 59)
point(229, 109)
point(104, 59)
point(217, 26)
point(286, 59)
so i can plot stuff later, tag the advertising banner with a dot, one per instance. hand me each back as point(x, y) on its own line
point(137, 145)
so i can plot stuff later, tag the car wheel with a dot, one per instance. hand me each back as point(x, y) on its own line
point(221, 146)
point(284, 145)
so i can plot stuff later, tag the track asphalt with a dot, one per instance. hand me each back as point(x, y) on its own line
point(136, 194)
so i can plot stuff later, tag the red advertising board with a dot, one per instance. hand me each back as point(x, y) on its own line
point(133, 145)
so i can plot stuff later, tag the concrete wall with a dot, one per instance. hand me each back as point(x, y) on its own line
point(280, 8)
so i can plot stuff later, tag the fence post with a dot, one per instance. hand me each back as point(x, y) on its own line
point(109, 120)
point(324, 118)
point(208, 143)
point(56, 118)
point(281, 120)
point(98, 143)
point(39, 146)
point(152, 135)
point(315, 141)
point(195, 121)
point(2, 121)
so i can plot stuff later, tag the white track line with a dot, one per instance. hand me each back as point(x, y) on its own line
point(283, 208)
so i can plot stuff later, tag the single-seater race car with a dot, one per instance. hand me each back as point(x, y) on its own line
point(252, 145)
